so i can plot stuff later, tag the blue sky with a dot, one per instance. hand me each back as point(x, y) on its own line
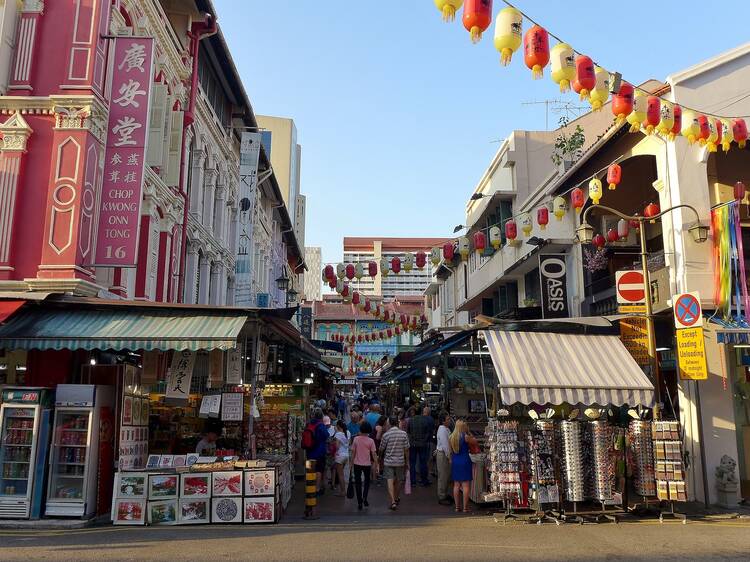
point(399, 114)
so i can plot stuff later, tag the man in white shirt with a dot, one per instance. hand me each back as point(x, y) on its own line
point(443, 454)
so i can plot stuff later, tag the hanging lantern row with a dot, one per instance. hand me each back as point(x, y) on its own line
point(623, 228)
point(648, 113)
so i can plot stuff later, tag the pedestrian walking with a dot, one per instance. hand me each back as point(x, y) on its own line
point(314, 441)
point(373, 415)
point(443, 457)
point(421, 429)
point(341, 456)
point(354, 425)
point(365, 462)
point(461, 465)
point(394, 448)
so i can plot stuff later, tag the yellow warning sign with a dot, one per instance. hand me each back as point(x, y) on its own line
point(691, 354)
point(634, 336)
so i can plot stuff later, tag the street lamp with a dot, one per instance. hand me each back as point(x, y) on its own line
point(478, 196)
point(585, 234)
point(282, 283)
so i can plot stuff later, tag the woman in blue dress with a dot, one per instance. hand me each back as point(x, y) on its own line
point(460, 465)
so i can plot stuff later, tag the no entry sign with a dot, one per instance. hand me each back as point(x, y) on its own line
point(630, 287)
point(687, 310)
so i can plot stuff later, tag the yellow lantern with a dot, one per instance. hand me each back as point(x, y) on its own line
point(526, 224)
point(495, 237)
point(559, 207)
point(727, 135)
point(690, 126)
point(508, 29)
point(340, 270)
point(600, 94)
point(563, 62)
point(339, 286)
point(666, 118)
point(385, 267)
point(449, 8)
point(463, 247)
point(638, 115)
point(435, 256)
point(359, 271)
point(713, 135)
point(595, 190)
point(408, 263)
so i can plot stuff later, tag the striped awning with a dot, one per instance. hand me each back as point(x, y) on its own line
point(551, 368)
point(122, 328)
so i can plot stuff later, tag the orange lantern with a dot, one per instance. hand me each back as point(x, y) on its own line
point(542, 217)
point(739, 128)
point(448, 8)
point(577, 199)
point(585, 79)
point(396, 264)
point(536, 50)
point(651, 210)
point(622, 103)
point(421, 260)
point(677, 127)
point(477, 17)
point(480, 242)
point(653, 105)
point(614, 175)
point(511, 230)
point(612, 235)
point(704, 130)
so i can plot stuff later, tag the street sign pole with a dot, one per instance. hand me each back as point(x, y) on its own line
point(654, 364)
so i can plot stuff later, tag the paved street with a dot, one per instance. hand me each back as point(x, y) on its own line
point(389, 537)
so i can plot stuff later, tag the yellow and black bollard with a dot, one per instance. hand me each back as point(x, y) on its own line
point(311, 490)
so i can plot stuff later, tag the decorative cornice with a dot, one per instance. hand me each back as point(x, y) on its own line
point(16, 132)
point(33, 6)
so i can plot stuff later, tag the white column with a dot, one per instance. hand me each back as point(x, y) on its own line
point(209, 187)
point(191, 272)
point(205, 273)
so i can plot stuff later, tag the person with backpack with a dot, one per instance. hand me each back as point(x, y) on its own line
point(314, 440)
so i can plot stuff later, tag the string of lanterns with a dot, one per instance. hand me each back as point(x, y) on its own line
point(571, 69)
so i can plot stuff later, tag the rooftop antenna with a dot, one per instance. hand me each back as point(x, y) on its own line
point(558, 107)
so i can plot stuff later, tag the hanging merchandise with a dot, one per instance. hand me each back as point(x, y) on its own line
point(421, 259)
point(511, 230)
point(739, 128)
point(642, 449)
point(541, 447)
point(666, 118)
point(536, 51)
point(359, 271)
point(623, 229)
point(505, 461)
point(372, 269)
point(508, 30)
point(638, 115)
point(603, 468)
point(526, 224)
point(572, 456)
point(463, 248)
point(477, 18)
point(739, 191)
point(449, 8)
point(480, 242)
point(448, 251)
point(653, 114)
point(585, 78)
point(595, 190)
point(396, 265)
point(384, 267)
point(622, 102)
point(600, 93)
point(350, 271)
point(559, 207)
point(726, 134)
point(408, 262)
point(495, 237)
point(435, 257)
point(598, 241)
point(668, 465)
point(730, 280)
point(542, 217)
point(563, 66)
point(577, 199)
point(690, 126)
point(614, 175)
point(340, 270)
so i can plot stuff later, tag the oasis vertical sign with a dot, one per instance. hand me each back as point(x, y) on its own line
point(127, 127)
point(552, 272)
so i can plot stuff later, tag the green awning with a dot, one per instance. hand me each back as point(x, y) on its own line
point(123, 328)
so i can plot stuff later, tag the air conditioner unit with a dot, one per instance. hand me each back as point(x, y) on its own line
point(610, 222)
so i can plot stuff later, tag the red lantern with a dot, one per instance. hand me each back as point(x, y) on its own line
point(739, 191)
point(653, 114)
point(355, 298)
point(477, 17)
point(422, 319)
point(372, 269)
point(614, 175)
point(367, 306)
point(414, 322)
point(389, 332)
point(612, 235)
point(402, 319)
point(635, 224)
point(329, 272)
point(448, 251)
point(332, 283)
point(651, 210)
point(542, 217)
point(598, 241)
point(585, 79)
point(623, 229)
point(577, 199)
point(677, 127)
point(350, 271)
point(397, 331)
point(480, 242)
point(622, 102)
point(396, 264)
point(536, 50)
point(705, 130)
point(345, 290)
point(359, 338)
point(421, 259)
point(511, 230)
point(739, 128)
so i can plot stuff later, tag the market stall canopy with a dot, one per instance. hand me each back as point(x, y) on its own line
point(123, 328)
point(553, 368)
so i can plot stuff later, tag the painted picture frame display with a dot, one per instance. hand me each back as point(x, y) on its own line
point(194, 511)
point(259, 510)
point(162, 512)
point(129, 511)
point(226, 510)
point(227, 483)
point(162, 486)
point(195, 485)
point(131, 485)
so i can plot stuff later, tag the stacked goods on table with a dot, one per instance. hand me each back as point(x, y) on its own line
point(271, 431)
point(668, 461)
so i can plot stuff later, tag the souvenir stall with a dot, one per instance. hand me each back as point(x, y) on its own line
point(558, 440)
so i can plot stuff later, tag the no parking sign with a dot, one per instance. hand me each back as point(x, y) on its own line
point(687, 310)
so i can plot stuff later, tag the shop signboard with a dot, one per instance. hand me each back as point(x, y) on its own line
point(125, 153)
point(691, 354)
point(215, 369)
point(552, 271)
point(234, 367)
point(231, 406)
point(250, 144)
point(180, 375)
point(305, 321)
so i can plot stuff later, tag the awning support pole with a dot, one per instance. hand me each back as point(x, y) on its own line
point(481, 368)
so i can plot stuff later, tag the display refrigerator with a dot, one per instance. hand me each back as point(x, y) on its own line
point(24, 442)
point(73, 460)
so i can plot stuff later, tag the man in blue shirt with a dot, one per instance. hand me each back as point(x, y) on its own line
point(353, 426)
point(317, 452)
point(373, 416)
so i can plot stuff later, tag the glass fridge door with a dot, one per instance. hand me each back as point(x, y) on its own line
point(67, 480)
point(16, 451)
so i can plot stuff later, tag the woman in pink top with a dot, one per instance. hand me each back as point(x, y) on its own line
point(365, 460)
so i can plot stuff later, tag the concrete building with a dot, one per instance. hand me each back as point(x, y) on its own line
point(312, 285)
point(390, 287)
point(285, 155)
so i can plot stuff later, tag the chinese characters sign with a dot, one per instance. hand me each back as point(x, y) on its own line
point(117, 238)
point(180, 375)
point(249, 154)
